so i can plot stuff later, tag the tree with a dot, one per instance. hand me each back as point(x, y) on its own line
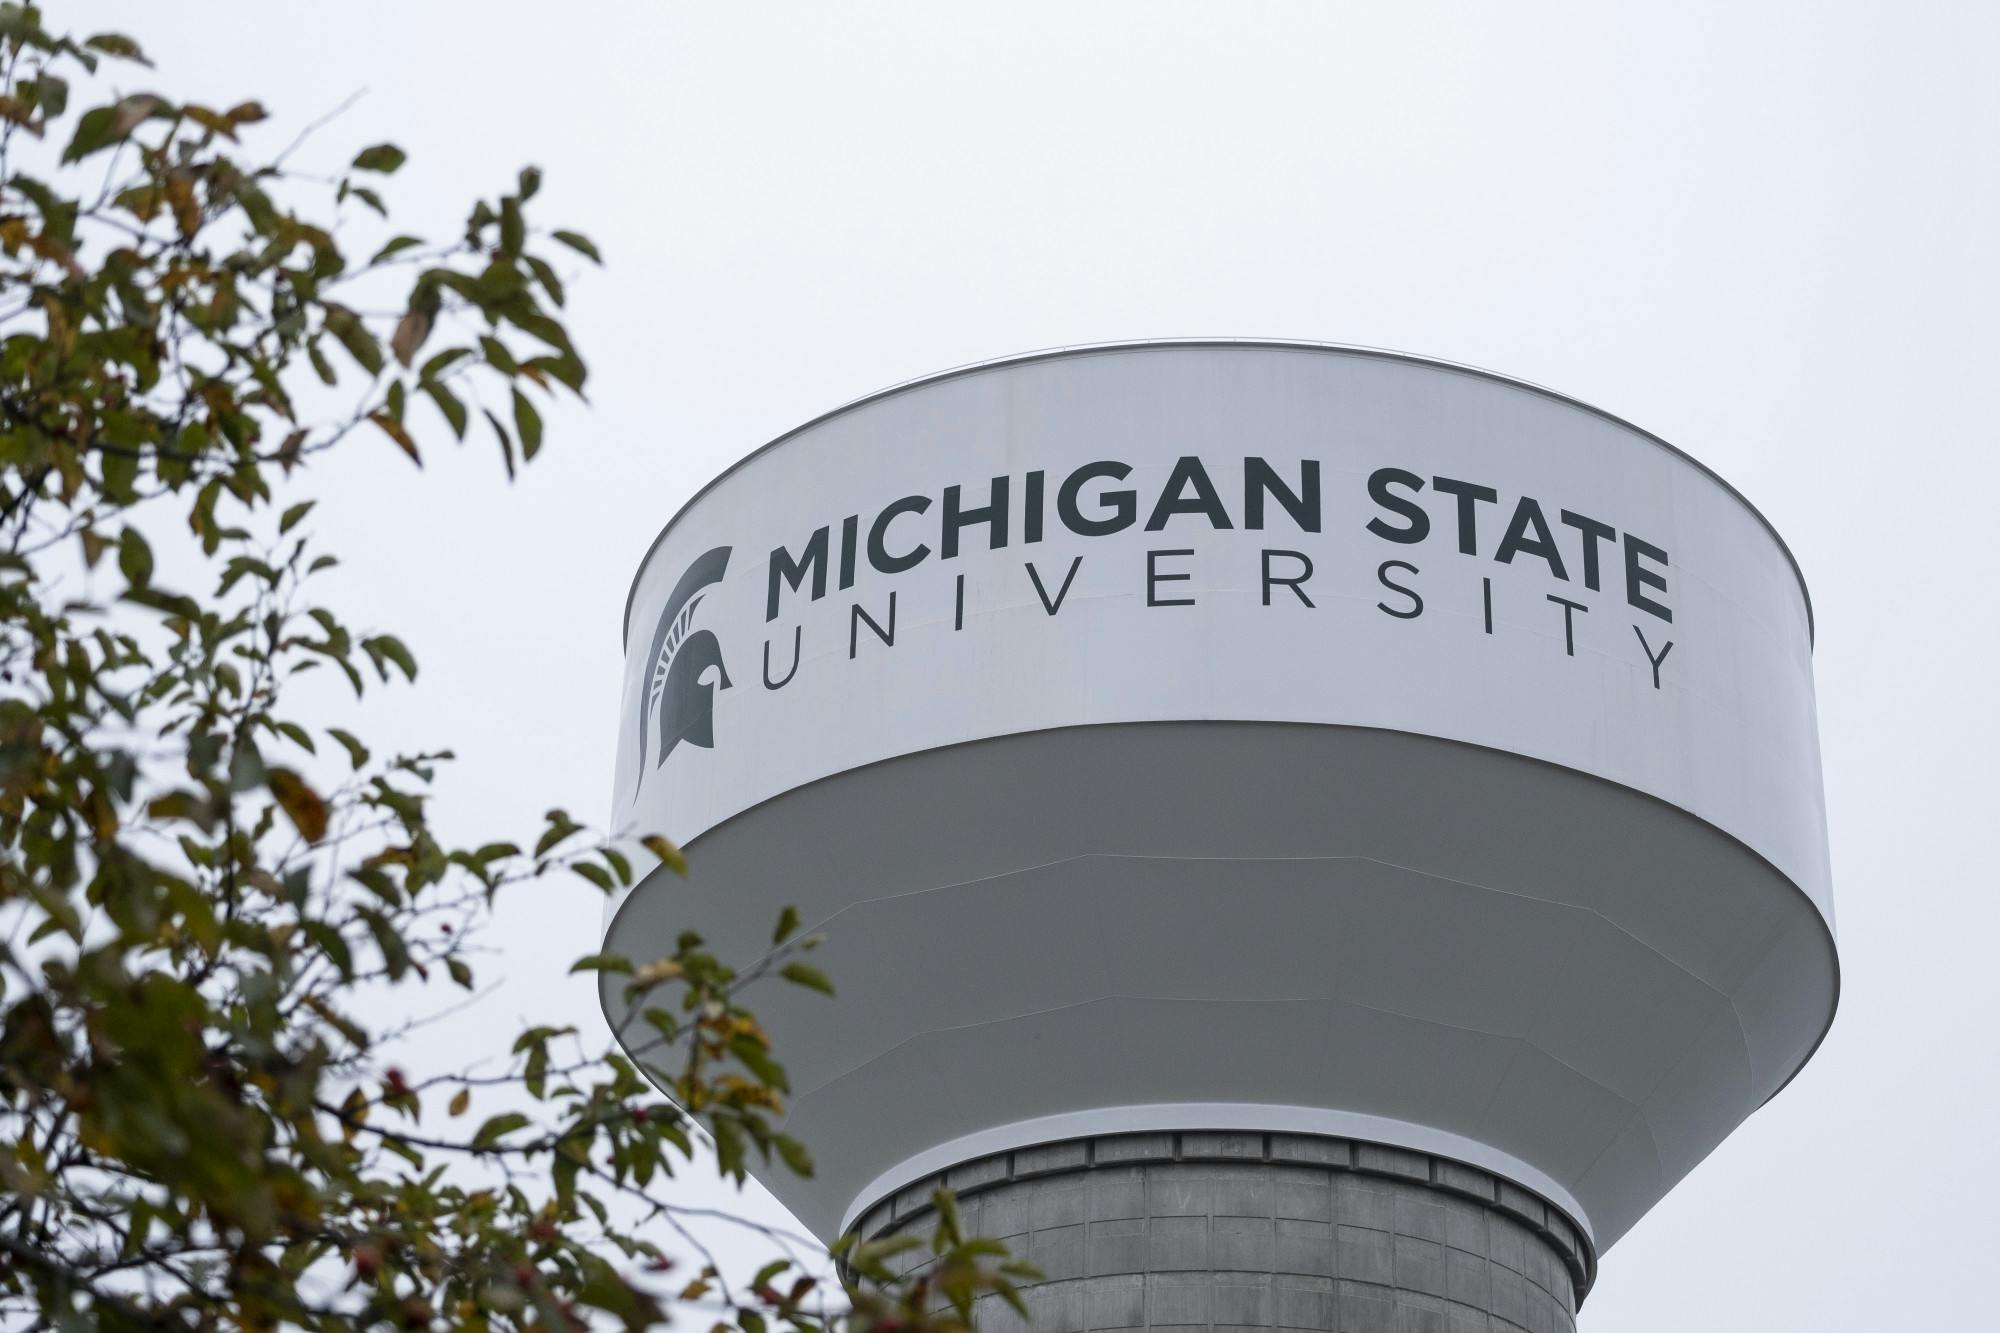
point(201, 889)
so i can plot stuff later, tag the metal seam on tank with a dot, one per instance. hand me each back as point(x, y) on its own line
point(1736, 1017)
point(1636, 1109)
point(1361, 857)
point(1275, 344)
point(1714, 991)
point(1653, 1145)
point(1825, 912)
point(1573, 1212)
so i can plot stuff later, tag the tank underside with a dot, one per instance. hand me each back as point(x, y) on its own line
point(1259, 926)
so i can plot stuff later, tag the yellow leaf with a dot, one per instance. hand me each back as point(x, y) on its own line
point(394, 430)
point(653, 973)
point(180, 198)
point(301, 804)
point(665, 849)
point(208, 119)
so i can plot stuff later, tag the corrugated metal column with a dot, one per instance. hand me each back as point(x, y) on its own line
point(1234, 1230)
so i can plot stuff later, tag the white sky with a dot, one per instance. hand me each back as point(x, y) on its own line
point(1762, 230)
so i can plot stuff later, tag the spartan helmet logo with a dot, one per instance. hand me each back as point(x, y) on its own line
point(679, 703)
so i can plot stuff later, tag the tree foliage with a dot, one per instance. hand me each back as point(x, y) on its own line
point(201, 1123)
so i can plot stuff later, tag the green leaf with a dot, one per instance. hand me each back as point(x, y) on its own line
point(1012, 1296)
point(757, 1059)
point(602, 962)
point(346, 327)
point(506, 445)
point(395, 247)
point(93, 132)
point(388, 646)
point(805, 974)
point(442, 362)
point(949, 1224)
point(528, 422)
point(498, 1128)
point(513, 233)
point(331, 944)
point(561, 826)
point(620, 867)
point(448, 403)
point(395, 950)
point(293, 515)
point(345, 1026)
point(794, 1154)
point(566, 370)
point(357, 753)
point(188, 805)
point(135, 558)
point(382, 157)
point(581, 244)
point(51, 95)
point(498, 356)
point(322, 368)
point(378, 882)
point(547, 277)
point(118, 46)
point(535, 1073)
point(788, 921)
point(167, 604)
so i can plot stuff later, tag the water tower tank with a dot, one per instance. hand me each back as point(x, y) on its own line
point(1298, 829)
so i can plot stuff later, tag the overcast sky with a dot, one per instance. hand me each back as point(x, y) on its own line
point(1764, 231)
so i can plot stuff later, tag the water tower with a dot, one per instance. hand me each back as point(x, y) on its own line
point(1307, 837)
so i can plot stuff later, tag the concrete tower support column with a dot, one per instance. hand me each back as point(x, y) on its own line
point(1222, 1231)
